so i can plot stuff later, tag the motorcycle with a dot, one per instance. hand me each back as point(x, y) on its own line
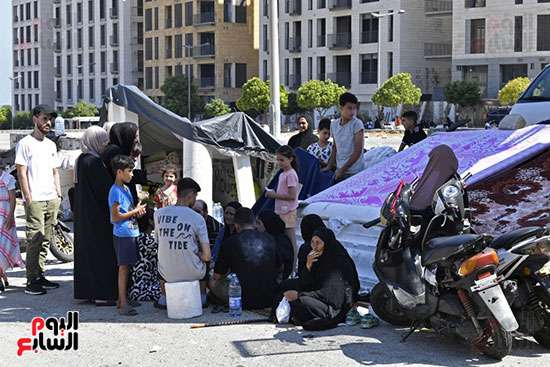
point(452, 287)
point(524, 268)
point(62, 241)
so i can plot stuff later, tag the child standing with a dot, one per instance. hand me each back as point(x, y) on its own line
point(125, 228)
point(413, 134)
point(10, 255)
point(323, 148)
point(167, 194)
point(286, 197)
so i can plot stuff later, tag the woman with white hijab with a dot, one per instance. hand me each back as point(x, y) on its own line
point(95, 266)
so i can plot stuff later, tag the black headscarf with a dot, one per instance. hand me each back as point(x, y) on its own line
point(123, 134)
point(305, 139)
point(275, 226)
point(309, 224)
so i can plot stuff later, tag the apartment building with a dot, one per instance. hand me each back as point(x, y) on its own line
point(218, 39)
point(341, 40)
point(32, 54)
point(98, 44)
point(495, 41)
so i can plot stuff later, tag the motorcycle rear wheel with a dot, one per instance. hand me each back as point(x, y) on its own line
point(498, 342)
point(542, 336)
point(386, 308)
point(61, 245)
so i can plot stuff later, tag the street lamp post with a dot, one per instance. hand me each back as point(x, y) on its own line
point(275, 105)
point(190, 48)
point(13, 79)
point(380, 16)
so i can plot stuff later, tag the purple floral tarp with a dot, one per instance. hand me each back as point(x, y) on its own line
point(484, 153)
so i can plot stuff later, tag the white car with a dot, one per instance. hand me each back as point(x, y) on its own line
point(534, 103)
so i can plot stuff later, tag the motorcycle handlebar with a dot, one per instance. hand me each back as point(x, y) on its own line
point(467, 177)
point(371, 223)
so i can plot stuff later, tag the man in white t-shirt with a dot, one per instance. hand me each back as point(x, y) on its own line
point(37, 163)
point(347, 132)
point(182, 237)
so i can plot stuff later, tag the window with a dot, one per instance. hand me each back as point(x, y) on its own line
point(509, 72)
point(227, 75)
point(35, 5)
point(101, 9)
point(103, 62)
point(167, 72)
point(369, 68)
point(266, 76)
point(369, 29)
point(188, 42)
point(390, 27)
point(70, 90)
point(178, 15)
point(69, 15)
point(91, 37)
point(36, 56)
point(36, 85)
point(240, 13)
point(156, 19)
point(148, 19)
point(390, 64)
point(35, 31)
point(227, 11)
point(91, 89)
point(321, 32)
point(240, 75)
point(115, 61)
point(178, 70)
point(79, 38)
point(91, 10)
point(28, 12)
point(287, 72)
point(178, 46)
point(189, 13)
point(265, 38)
point(518, 34)
point(79, 13)
point(69, 39)
point(287, 35)
point(140, 33)
point(29, 58)
point(157, 77)
point(79, 90)
point(58, 90)
point(103, 86)
point(477, 36)
point(321, 4)
point(310, 33)
point(477, 74)
point(91, 60)
point(266, 8)
point(519, 2)
point(168, 47)
point(148, 78)
point(167, 17)
point(69, 65)
point(310, 68)
point(102, 35)
point(543, 29)
point(474, 3)
point(156, 48)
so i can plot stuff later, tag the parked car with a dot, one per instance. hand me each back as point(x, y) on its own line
point(534, 103)
point(494, 116)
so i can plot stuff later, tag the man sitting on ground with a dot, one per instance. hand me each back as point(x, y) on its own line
point(252, 255)
point(179, 231)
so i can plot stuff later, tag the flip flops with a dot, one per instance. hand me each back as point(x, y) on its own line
point(220, 308)
point(128, 311)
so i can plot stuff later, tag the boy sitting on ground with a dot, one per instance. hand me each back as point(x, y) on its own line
point(413, 134)
point(323, 148)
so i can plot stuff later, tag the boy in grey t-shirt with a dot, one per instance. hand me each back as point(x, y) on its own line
point(184, 248)
point(348, 135)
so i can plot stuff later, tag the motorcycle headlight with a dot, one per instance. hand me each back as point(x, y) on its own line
point(538, 246)
point(450, 191)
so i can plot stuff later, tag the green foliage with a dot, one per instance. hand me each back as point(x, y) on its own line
point(256, 96)
point(462, 93)
point(5, 117)
point(175, 96)
point(216, 108)
point(23, 120)
point(510, 93)
point(320, 95)
point(293, 108)
point(81, 109)
point(396, 90)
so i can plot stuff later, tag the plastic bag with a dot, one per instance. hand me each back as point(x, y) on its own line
point(283, 311)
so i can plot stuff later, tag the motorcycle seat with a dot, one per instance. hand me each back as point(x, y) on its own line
point(441, 248)
point(507, 240)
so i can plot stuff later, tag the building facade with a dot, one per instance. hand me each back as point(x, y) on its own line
point(98, 44)
point(33, 58)
point(219, 39)
point(495, 41)
point(341, 40)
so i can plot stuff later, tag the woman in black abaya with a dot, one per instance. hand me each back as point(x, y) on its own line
point(95, 264)
point(305, 136)
point(270, 222)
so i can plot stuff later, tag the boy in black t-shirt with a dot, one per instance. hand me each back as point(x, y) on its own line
point(413, 133)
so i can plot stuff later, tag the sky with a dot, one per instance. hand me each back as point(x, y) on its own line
point(6, 50)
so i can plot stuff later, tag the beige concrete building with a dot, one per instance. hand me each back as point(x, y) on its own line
point(495, 41)
point(218, 38)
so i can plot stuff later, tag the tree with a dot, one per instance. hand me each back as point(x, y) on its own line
point(5, 117)
point(23, 120)
point(175, 96)
point(256, 96)
point(292, 107)
point(463, 93)
point(319, 95)
point(216, 108)
point(399, 89)
point(510, 93)
point(81, 109)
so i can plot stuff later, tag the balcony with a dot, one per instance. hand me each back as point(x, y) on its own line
point(339, 41)
point(113, 40)
point(207, 83)
point(438, 50)
point(368, 77)
point(339, 4)
point(204, 52)
point(341, 78)
point(203, 19)
point(113, 13)
point(114, 68)
point(369, 37)
point(295, 81)
point(295, 44)
point(295, 7)
point(438, 7)
point(322, 40)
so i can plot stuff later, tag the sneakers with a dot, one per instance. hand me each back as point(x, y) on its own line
point(368, 321)
point(35, 288)
point(46, 284)
point(156, 304)
point(353, 318)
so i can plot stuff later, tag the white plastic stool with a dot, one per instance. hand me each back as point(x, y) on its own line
point(183, 299)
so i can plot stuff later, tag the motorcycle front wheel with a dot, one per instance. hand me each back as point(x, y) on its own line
point(61, 245)
point(386, 308)
point(498, 342)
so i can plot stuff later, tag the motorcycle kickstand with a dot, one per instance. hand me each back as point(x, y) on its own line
point(413, 327)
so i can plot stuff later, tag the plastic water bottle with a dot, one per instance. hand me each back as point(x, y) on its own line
point(59, 126)
point(235, 304)
point(218, 212)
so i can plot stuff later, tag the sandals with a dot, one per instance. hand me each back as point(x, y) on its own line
point(131, 302)
point(220, 308)
point(128, 311)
